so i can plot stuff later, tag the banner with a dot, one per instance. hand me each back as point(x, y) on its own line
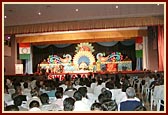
point(139, 47)
point(24, 51)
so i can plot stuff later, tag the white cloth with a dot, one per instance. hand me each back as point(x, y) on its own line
point(59, 102)
point(33, 99)
point(97, 90)
point(69, 93)
point(34, 109)
point(63, 86)
point(50, 107)
point(33, 84)
point(7, 97)
point(81, 106)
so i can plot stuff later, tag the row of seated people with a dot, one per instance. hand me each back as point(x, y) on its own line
point(108, 94)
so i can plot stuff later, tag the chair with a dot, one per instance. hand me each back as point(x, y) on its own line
point(137, 82)
point(11, 91)
point(157, 94)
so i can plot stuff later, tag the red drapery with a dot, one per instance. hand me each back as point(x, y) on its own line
point(161, 47)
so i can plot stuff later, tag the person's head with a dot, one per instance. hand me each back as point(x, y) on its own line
point(34, 104)
point(60, 89)
point(83, 91)
point(34, 92)
point(11, 108)
point(99, 82)
point(17, 101)
point(96, 107)
point(107, 94)
point(18, 90)
point(58, 94)
point(78, 96)
point(69, 104)
point(102, 97)
point(109, 85)
point(25, 85)
point(109, 105)
point(44, 98)
point(130, 92)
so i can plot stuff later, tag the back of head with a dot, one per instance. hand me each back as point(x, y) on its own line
point(109, 85)
point(107, 94)
point(25, 85)
point(34, 104)
point(34, 92)
point(60, 89)
point(78, 96)
point(68, 104)
point(96, 107)
point(44, 98)
point(130, 92)
point(102, 97)
point(58, 94)
point(11, 108)
point(109, 105)
point(18, 101)
point(83, 91)
point(99, 82)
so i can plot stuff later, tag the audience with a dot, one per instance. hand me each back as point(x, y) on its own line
point(100, 93)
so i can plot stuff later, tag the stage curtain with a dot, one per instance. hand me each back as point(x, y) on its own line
point(39, 54)
point(42, 46)
point(107, 44)
point(85, 25)
point(161, 47)
point(62, 45)
point(128, 42)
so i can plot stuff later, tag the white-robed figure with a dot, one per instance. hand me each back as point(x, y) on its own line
point(83, 66)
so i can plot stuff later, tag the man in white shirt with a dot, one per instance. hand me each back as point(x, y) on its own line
point(79, 104)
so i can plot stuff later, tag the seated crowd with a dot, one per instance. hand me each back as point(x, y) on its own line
point(101, 93)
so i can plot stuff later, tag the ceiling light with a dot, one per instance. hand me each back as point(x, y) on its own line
point(76, 10)
point(8, 37)
point(116, 6)
point(5, 16)
point(39, 13)
point(158, 4)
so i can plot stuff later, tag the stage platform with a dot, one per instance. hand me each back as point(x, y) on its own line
point(84, 74)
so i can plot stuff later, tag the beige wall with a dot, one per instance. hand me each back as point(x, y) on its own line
point(10, 61)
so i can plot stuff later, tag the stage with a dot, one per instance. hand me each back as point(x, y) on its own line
point(85, 74)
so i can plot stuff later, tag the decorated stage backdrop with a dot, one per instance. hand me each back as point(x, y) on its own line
point(85, 61)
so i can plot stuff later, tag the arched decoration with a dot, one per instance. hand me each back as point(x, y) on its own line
point(83, 56)
point(42, 46)
point(62, 45)
point(128, 42)
point(84, 47)
point(107, 44)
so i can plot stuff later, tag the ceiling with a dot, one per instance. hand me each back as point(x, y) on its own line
point(22, 14)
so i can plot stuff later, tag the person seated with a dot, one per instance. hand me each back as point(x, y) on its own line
point(127, 58)
point(131, 103)
point(68, 104)
point(34, 106)
point(11, 108)
point(96, 107)
point(83, 66)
